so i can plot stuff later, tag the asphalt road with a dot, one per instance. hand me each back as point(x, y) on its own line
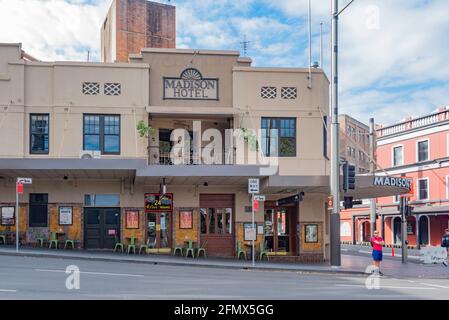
point(45, 278)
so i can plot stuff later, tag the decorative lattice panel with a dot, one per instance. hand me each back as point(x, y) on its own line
point(268, 92)
point(91, 88)
point(112, 89)
point(289, 93)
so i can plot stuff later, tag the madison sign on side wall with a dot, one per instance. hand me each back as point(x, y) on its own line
point(190, 86)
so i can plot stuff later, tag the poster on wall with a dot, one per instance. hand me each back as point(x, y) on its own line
point(155, 202)
point(132, 219)
point(249, 232)
point(65, 216)
point(311, 233)
point(8, 216)
point(185, 219)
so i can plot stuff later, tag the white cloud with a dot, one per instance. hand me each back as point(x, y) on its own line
point(54, 29)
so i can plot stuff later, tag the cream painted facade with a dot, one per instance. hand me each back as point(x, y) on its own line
point(56, 89)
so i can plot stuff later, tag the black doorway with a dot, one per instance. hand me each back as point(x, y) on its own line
point(101, 227)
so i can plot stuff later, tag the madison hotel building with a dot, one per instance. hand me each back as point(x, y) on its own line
point(208, 121)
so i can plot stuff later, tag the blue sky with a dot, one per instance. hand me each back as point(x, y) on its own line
point(393, 55)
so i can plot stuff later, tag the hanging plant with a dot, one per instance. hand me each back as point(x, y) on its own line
point(144, 129)
point(251, 138)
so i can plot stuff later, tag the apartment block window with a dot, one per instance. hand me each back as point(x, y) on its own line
point(423, 150)
point(38, 210)
point(102, 133)
point(423, 189)
point(279, 137)
point(39, 128)
point(398, 155)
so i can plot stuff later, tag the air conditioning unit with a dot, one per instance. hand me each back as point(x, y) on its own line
point(90, 154)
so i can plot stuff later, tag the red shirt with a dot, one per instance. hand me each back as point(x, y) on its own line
point(377, 247)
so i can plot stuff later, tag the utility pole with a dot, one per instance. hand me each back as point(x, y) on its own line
point(372, 148)
point(335, 149)
point(335, 157)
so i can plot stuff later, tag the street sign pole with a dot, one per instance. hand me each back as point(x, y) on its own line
point(17, 216)
point(253, 226)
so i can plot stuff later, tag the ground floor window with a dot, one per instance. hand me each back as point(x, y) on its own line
point(38, 210)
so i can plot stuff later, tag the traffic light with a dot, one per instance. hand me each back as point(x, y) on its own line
point(348, 177)
point(348, 202)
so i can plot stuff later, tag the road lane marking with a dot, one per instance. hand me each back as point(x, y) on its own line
point(434, 285)
point(96, 273)
point(7, 290)
point(385, 287)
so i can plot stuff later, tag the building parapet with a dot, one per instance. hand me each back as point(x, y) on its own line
point(410, 124)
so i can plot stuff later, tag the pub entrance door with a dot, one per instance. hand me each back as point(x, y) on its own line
point(101, 227)
point(159, 231)
point(159, 211)
point(280, 229)
point(216, 224)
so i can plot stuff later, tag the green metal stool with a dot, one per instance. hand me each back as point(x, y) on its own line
point(202, 249)
point(71, 242)
point(190, 249)
point(240, 251)
point(41, 241)
point(132, 245)
point(178, 248)
point(3, 238)
point(54, 240)
point(143, 246)
point(118, 245)
point(262, 251)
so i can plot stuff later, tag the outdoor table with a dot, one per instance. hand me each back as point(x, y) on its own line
point(250, 246)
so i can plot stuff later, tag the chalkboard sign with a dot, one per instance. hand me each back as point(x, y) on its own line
point(155, 202)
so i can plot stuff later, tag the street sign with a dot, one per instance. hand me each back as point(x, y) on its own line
point(292, 199)
point(256, 205)
point(260, 198)
point(253, 186)
point(25, 180)
point(330, 202)
point(19, 187)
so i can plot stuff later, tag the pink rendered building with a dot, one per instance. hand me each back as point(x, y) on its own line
point(419, 149)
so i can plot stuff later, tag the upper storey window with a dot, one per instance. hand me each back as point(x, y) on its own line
point(423, 150)
point(279, 137)
point(398, 156)
point(102, 133)
point(39, 128)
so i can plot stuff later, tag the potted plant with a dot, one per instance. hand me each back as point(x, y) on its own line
point(144, 129)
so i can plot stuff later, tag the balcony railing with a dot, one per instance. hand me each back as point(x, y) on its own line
point(159, 156)
point(413, 123)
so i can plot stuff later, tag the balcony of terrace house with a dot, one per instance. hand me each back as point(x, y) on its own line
point(191, 141)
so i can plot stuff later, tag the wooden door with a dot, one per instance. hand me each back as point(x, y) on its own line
point(217, 224)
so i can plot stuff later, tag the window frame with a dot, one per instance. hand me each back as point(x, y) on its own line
point(31, 133)
point(392, 155)
point(268, 137)
point(102, 134)
point(418, 196)
point(428, 150)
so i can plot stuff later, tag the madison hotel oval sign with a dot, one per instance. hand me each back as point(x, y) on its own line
point(190, 86)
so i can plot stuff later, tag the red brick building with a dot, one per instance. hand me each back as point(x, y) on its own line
point(419, 149)
point(132, 25)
